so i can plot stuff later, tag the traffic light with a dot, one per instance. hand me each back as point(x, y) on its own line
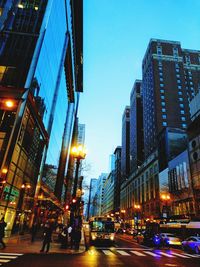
point(73, 200)
point(67, 207)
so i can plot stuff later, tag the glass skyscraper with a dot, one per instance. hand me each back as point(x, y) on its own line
point(41, 76)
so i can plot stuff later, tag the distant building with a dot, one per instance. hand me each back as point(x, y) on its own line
point(108, 199)
point(125, 151)
point(99, 194)
point(91, 203)
point(81, 134)
point(117, 178)
point(136, 127)
point(111, 162)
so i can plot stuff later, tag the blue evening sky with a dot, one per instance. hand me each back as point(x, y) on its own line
point(116, 35)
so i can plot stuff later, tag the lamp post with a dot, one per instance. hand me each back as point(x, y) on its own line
point(137, 210)
point(165, 198)
point(79, 153)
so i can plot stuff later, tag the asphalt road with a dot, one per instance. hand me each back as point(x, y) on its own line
point(125, 253)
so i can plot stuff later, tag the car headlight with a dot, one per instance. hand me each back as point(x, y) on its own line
point(112, 237)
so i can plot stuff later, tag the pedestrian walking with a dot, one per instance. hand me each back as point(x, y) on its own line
point(34, 231)
point(47, 237)
point(2, 231)
point(77, 237)
point(64, 237)
point(71, 235)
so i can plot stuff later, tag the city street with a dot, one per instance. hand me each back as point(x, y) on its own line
point(125, 252)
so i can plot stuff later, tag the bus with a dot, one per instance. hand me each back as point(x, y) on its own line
point(102, 229)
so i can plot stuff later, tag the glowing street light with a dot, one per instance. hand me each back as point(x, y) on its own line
point(9, 103)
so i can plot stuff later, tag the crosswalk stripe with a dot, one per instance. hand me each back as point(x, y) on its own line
point(179, 255)
point(107, 252)
point(165, 254)
point(7, 257)
point(1, 260)
point(191, 255)
point(12, 254)
point(152, 254)
point(124, 253)
point(137, 253)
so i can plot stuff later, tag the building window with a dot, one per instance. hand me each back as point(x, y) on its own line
point(159, 50)
point(160, 73)
point(179, 87)
point(162, 97)
point(177, 70)
point(164, 123)
point(182, 111)
point(177, 75)
point(180, 99)
point(183, 119)
point(184, 125)
point(164, 116)
point(191, 83)
point(180, 93)
point(163, 109)
point(163, 104)
point(178, 81)
point(161, 85)
point(187, 59)
point(181, 105)
point(162, 91)
point(161, 79)
point(175, 51)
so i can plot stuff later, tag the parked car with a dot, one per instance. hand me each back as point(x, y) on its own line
point(130, 231)
point(120, 231)
point(139, 237)
point(192, 243)
point(170, 239)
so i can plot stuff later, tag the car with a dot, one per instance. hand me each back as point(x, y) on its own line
point(170, 239)
point(192, 243)
point(139, 237)
point(120, 231)
point(130, 231)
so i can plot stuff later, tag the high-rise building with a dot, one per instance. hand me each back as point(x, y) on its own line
point(170, 79)
point(125, 151)
point(111, 162)
point(117, 178)
point(81, 134)
point(136, 127)
point(40, 81)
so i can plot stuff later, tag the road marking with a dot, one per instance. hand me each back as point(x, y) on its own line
point(179, 255)
point(7, 257)
point(107, 252)
point(165, 254)
point(1, 260)
point(12, 254)
point(152, 254)
point(124, 253)
point(191, 255)
point(137, 253)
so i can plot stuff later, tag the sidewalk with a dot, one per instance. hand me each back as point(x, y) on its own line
point(22, 244)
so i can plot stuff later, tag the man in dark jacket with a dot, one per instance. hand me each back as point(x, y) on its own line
point(2, 231)
point(47, 237)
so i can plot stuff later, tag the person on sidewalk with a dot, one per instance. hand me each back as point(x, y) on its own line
point(64, 237)
point(77, 237)
point(33, 231)
point(47, 237)
point(2, 231)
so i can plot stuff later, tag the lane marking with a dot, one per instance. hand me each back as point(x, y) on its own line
point(179, 255)
point(123, 253)
point(165, 254)
point(191, 255)
point(137, 253)
point(1, 260)
point(107, 252)
point(12, 254)
point(152, 254)
point(8, 257)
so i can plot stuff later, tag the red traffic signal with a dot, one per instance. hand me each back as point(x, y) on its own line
point(67, 207)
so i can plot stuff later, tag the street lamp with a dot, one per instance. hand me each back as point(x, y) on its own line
point(79, 153)
point(137, 209)
point(165, 198)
